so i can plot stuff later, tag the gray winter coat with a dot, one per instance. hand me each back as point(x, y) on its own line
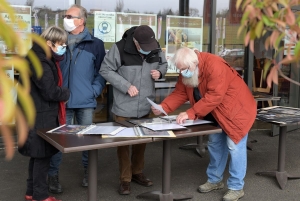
point(124, 66)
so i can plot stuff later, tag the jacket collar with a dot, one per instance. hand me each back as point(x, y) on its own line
point(129, 46)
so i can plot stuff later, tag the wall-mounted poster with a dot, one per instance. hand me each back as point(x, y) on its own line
point(182, 32)
point(104, 26)
point(22, 13)
point(125, 21)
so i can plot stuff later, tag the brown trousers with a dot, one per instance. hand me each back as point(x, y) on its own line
point(130, 165)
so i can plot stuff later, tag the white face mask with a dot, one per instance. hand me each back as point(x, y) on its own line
point(69, 24)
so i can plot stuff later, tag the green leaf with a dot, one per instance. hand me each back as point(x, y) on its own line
point(6, 88)
point(297, 49)
point(266, 67)
point(267, 21)
point(278, 40)
point(244, 18)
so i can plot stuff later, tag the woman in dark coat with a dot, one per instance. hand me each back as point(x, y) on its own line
point(49, 99)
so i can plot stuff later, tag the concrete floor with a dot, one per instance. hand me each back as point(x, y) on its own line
point(188, 172)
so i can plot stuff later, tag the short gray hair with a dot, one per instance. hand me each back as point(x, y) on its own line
point(185, 56)
point(82, 12)
point(55, 34)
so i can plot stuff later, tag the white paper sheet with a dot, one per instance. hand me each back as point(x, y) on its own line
point(158, 107)
point(105, 130)
point(163, 126)
point(194, 122)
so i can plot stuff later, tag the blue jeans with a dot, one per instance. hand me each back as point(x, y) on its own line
point(83, 116)
point(219, 146)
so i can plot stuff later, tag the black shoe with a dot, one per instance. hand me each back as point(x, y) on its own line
point(54, 185)
point(141, 179)
point(124, 188)
point(85, 181)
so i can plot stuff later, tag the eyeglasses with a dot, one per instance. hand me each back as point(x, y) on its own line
point(184, 69)
point(71, 17)
point(63, 45)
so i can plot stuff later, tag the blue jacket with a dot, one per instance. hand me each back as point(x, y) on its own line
point(80, 72)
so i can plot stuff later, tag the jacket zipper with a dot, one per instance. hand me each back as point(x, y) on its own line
point(69, 70)
point(140, 86)
point(77, 56)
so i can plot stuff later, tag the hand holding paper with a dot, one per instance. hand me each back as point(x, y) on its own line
point(157, 107)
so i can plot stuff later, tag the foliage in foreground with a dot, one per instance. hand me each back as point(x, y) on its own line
point(23, 114)
point(276, 16)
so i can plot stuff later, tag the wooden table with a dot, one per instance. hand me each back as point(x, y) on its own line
point(165, 194)
point(67, 143)
point(258, 96)
point(282, 117)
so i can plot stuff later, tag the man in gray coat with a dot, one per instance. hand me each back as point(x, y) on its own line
point(131, 66)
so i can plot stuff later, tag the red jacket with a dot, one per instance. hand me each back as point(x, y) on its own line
point(224, 94)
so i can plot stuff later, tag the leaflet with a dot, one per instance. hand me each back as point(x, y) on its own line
point(87, 129)
point(158, 107)
point(140, 132)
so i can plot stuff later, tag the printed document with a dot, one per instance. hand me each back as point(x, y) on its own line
point(140, 132)
point(158, 107)
point(87, 129)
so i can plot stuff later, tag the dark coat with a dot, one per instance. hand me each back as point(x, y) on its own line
point(46, 96)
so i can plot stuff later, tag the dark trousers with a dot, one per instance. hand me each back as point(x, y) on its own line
point(37, 185)
point(130, 164)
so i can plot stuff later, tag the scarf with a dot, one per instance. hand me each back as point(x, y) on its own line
point(62, 105)
point(75, 39)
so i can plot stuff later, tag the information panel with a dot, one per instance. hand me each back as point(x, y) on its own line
point(182, 32)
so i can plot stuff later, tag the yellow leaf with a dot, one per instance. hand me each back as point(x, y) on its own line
point(266, 67)
point(241, 28)
point(22, 127)
point(36, 63)
point(238, 4)
point(258, 29)
point(41, 42)
point(283, 2)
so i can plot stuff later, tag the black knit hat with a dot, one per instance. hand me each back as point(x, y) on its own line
point(145, 37)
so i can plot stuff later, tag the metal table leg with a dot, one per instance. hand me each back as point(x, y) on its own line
point(199, 146)
point(281, 175)
point(92, 168)
point(165, 194)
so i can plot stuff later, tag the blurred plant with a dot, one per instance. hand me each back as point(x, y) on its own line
point(260, 16)
point(24, 112)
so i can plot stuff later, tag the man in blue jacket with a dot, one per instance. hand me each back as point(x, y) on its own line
point(80, 72)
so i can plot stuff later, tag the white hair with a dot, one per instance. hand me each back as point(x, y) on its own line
point(185, 56)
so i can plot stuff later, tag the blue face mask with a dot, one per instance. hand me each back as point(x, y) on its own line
point(60, 50)
point(144, 52)
point(187, 73)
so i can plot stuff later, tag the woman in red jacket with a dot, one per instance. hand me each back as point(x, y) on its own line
point(217, 93)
